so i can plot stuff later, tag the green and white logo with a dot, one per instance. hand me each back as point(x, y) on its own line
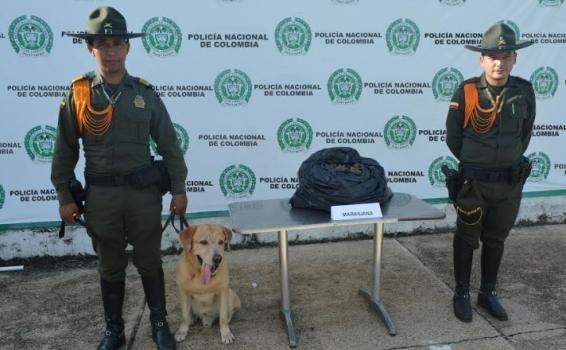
point(233, 87)
point(399, 132)
point(545, 82)
point(31, 36)
point(513, 26)
point(345, 86)
point(237, 181)
point(40, 142)
point(453, 2)
point(550, 3)
point(294, 135)
point(403, 37)
point(540, 166)
point(2, 196)
point(293, 36)
point(182, 139)
point(445, 83)
point(163, 37)
point(435, 175)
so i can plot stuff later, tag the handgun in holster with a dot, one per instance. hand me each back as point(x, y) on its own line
point(454, 182)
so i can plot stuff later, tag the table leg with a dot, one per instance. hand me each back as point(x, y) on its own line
point(374, 298)
point(286, 312)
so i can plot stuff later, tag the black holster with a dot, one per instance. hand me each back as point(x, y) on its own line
point(454, 182)
point(155, 174)
point(521, 171)
point(79, 197)
point(78, 193)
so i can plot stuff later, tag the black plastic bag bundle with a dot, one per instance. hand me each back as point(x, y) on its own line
point(339, 176)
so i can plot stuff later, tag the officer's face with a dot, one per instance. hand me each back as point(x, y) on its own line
point(110, 54)
point(498, 66)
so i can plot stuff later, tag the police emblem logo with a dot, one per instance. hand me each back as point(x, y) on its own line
point(445, 83)
point(513, 26)
point(293, 36)
point(237, 181)
point(31, 36)
point(233, 88)
point(345, 1)
point(163, 37)
point(540, 166)
point(403, 37)
point(182, 139)
point(550, 3)
point(2, 196)
point(345, 86)
point(452, 2)
point(435, 175)
point(40, 142)
point(139, 102)
point(400, 132)
point(545, 82)
point(294, 135)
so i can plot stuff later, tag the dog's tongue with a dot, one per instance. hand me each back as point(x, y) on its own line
point(205, 273)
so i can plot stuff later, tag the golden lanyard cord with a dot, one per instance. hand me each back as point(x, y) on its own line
point(482, 119)
point(96, 122)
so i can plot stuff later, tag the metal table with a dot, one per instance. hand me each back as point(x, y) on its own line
point(273, 215)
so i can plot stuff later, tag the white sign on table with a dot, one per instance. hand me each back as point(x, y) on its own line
point(355, 211)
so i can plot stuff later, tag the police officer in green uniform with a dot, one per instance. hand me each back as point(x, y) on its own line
point(115, 114)
point(488, 129)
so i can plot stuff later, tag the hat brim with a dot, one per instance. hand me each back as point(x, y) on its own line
point(95, 36)
point(519, 45)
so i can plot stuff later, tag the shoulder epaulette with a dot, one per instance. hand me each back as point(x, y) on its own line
point(88, 75)
point(145, 83)
point(471, 80)
point(522, 80)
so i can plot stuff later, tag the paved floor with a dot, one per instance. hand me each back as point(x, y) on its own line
point(58, 307)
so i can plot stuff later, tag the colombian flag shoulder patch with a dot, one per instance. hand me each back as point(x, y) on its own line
point(454, 105)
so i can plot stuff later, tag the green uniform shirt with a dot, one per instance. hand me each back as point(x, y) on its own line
point(138, 114)
point(508, 139)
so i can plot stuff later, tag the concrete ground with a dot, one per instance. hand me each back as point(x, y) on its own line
point(59, 307)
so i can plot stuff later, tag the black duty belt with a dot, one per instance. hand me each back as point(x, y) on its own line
point(487, 174)
point(106, 180)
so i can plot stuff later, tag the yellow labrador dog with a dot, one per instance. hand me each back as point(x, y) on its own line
point(203, 280)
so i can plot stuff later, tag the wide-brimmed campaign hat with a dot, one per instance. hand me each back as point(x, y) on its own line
point(106, 22)
point(498, 38)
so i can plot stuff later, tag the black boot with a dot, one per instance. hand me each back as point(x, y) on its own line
point(112, 299)
point(461, 303)
point(154, 288)
point(463, 254)
point(492, 252)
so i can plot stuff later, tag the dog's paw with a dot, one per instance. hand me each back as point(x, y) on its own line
point(227, 336)
point(181, 333)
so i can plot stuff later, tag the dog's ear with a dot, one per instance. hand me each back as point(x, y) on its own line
point(227, 238)
point(186, 237)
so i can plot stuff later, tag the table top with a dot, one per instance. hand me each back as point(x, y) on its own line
point(271, 215)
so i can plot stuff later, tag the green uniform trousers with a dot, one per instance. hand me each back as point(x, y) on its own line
point(487, 210)
point(119, 215)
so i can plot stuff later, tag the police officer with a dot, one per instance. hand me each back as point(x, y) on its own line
point(488, 129)
point(115, 114)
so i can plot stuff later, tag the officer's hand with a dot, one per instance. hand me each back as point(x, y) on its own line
point(179, 203)
point(69, 212)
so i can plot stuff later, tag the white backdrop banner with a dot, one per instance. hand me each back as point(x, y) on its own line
point(255, 86)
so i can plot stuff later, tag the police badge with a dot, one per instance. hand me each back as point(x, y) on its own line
point(139, 102)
